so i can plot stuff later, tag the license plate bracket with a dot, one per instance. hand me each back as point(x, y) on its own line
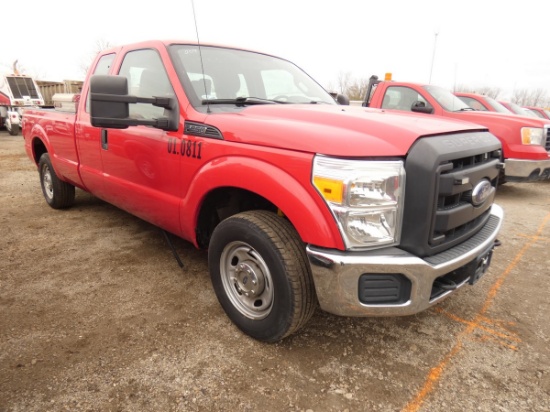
point(480, 265)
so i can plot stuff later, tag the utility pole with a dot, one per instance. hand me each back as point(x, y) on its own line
point(456, 69)
point(433, 57)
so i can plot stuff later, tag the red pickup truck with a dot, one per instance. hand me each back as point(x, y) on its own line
point(481, 102)
point(525, 141)
point(301, 202)
point(539, 111)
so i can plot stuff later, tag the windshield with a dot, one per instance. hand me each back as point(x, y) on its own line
point(536, 113)
point(446, 99)
point(496, 105)
point(520, 110)
point(523, 111)
point(528, 112)
point(236, 77)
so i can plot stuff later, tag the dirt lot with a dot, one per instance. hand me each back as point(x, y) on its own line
point(96, 315)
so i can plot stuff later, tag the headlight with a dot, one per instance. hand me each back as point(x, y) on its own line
point(532, 135)
point(366, 198)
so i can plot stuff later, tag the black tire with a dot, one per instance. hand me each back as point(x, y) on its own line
point(501, 177)
point(13, 129)
point(58, 194)
point(261, 275)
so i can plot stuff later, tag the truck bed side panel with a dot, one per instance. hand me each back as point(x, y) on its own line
point(56, 130)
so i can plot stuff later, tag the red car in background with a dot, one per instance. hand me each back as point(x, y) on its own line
point(480, 102)
point(539, 111)
point(516, 109)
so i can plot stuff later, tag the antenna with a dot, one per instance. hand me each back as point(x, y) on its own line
point(433, 56)
point(200, 56)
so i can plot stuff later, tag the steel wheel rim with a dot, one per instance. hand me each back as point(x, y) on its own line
point(47, 182)
point(246, 280)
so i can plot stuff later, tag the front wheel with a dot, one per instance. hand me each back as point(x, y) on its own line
point(58, 194)
point(261, 275)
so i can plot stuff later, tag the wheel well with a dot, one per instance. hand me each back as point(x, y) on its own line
point(38, 149)
point(223, 203)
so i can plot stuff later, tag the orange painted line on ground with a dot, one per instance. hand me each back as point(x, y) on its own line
point(500, 324)
point(485, 338)
point(496, 286)
point(510, 335)
point(543, 238)
point(435, 373)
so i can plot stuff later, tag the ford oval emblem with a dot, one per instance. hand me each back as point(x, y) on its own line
point(481, 192)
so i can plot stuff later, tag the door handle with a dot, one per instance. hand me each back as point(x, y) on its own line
point(104, 140)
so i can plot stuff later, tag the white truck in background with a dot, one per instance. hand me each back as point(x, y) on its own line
point(17, 92)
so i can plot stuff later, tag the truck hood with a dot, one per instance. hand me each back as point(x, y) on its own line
point(332, 130)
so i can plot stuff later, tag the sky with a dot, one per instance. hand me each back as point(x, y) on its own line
point(482, 43)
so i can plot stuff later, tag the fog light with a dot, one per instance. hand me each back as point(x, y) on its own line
point(384, 289)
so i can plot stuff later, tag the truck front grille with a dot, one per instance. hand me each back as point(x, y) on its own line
point(451, 185)
point(547, 143)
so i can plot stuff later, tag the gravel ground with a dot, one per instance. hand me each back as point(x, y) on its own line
point(96, 315)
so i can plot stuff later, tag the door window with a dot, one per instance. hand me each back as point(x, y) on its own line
point(146, 78)
point(103, 66)
point(402, 98)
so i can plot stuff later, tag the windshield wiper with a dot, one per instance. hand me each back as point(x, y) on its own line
point(466, 109)
point(242, 101)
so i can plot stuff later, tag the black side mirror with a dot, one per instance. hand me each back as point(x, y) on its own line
point(420, 107)
point(342, 99)
point(109, 107)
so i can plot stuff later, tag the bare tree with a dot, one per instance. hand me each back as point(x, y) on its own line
point(531, 97)
point(463, 88)
point(488, 91)
point(344, 80)
point(330, 87)
point(357, 89)
point(537, 96)
point(520, 97)
point(353, 88)
point(100, 45)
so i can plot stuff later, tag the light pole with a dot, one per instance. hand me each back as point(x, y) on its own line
point(433, 57)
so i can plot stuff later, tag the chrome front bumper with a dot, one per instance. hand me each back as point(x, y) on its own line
point(336, 274)
point(527, 170)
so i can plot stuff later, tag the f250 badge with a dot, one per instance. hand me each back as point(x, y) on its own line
point(481, 192)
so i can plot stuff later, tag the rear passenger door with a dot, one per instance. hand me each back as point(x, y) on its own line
point(140, 174)
point(88, 138)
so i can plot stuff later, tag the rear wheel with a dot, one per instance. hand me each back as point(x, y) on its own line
point(261, 275)
point(58, 194)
